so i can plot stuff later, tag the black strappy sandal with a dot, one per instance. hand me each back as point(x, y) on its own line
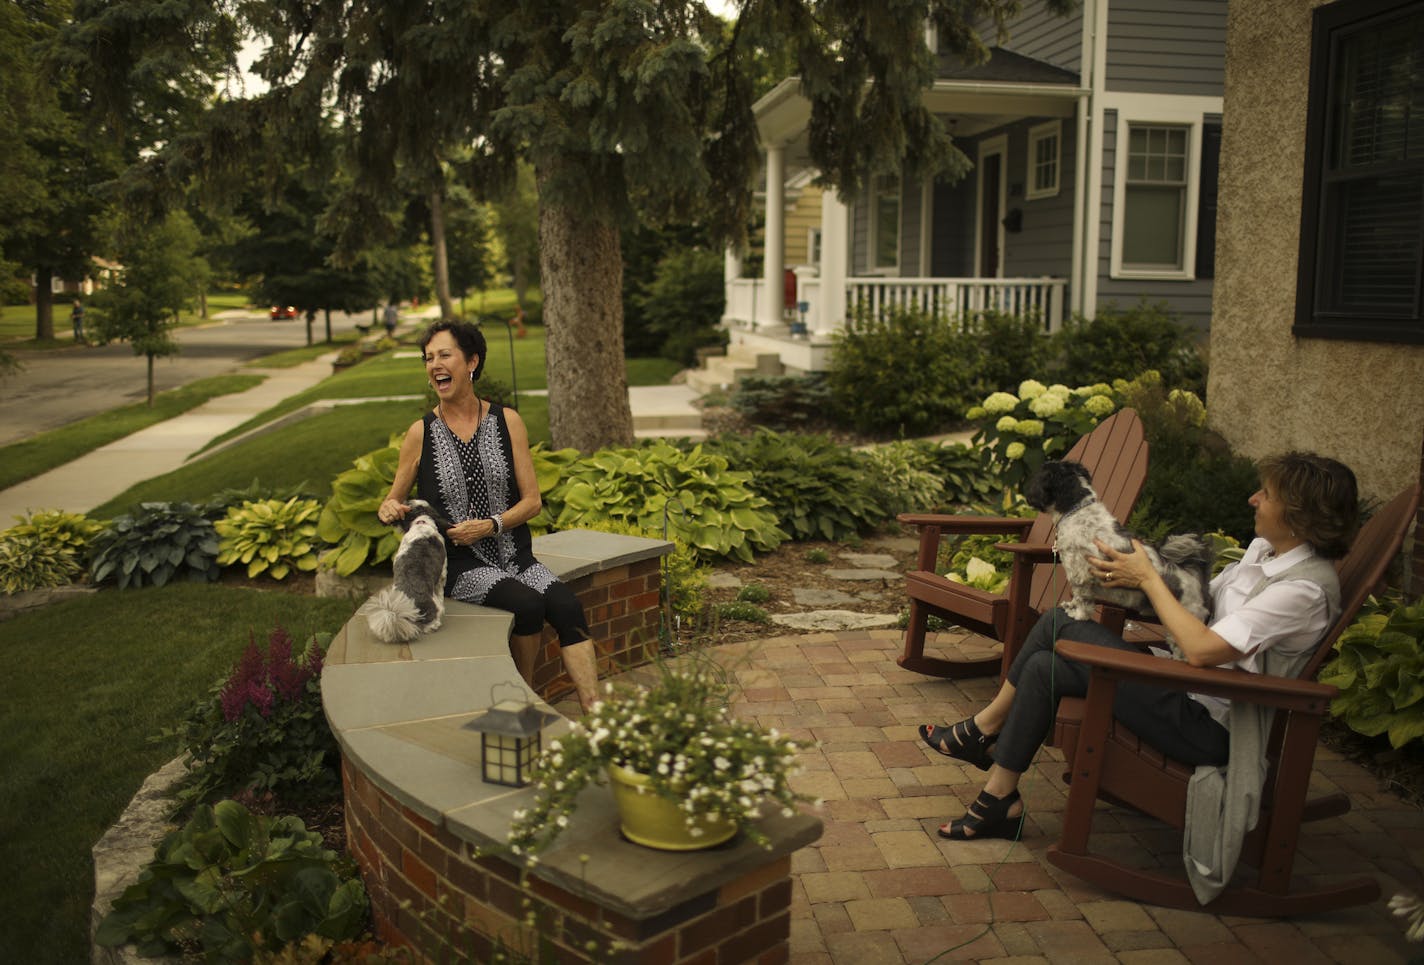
point(964, 740)
point(987, 817)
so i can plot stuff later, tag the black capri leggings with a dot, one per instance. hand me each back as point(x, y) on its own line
point(1169, 720)
point(557, 605)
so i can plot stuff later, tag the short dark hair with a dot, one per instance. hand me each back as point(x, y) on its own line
point(1321, 500)
point(470, 339)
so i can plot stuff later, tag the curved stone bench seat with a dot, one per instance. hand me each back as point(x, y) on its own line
point(418, 812)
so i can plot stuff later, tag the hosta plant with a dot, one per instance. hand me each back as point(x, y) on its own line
point(270, 536)
point(710, 507)
point(348, 520)
point(1379, 668)
point(236, 884)
point(260, 729)
point(74, 530)
point(28, 562)
point(681, 734)
point(156, 543)
point(818, 488)
point(904, 477)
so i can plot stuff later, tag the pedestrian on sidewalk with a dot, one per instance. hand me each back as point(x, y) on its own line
point(391, 318)
point(76, 318)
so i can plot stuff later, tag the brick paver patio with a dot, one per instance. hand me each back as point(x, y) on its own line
point(882, 887)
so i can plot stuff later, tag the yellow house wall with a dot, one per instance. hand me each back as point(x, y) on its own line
point(804, 214)
point(1360, 402)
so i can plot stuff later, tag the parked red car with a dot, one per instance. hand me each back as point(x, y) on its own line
point(282, 311)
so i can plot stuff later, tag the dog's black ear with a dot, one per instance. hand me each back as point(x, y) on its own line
point(1080, 471)
point(1036, 488)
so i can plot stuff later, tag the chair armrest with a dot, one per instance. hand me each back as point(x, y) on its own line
point(1028, 552)
point(1282, 692)
point(968, 524)
point(932, 525)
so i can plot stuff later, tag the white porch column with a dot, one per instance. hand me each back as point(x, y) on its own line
point(731, 265)
point(835, 264)
point(774, 261)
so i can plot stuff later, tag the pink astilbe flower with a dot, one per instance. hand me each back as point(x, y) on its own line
point(249, 674)
point(287, 675)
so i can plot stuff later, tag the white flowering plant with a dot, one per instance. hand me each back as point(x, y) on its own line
point(681, 734)
point(1019, 431)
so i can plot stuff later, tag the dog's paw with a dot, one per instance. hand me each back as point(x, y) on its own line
point(1078, 611)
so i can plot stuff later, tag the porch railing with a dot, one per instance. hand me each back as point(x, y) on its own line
point(956, 298)
point(960, 297)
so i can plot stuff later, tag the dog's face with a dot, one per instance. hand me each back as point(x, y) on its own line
point(1057, 486)
point(422, 521)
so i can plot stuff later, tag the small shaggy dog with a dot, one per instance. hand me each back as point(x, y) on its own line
point(1064, 490)
point(415, 602)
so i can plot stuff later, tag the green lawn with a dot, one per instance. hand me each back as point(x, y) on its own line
point(306, 455)
point(41, 453)
point(17, 322)
point(86, 683)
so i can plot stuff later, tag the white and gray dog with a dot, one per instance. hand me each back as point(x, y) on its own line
point(1065, 491)
point(414, 603)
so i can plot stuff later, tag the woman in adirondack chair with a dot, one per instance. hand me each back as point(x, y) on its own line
point(1280, 598)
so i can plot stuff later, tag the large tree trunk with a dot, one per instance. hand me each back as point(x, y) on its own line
point(44, 303)
point(150, 381)
point(326, 313)
point(582, 261)
point(438, 255)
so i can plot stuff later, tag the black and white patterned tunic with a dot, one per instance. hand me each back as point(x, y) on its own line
point(474, 479)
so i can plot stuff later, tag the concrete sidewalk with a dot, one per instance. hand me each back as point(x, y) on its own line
point(99, 476)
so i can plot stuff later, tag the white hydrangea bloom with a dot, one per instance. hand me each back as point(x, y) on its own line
point(1031, 389)
point(1000, 402)
point(1015, 450)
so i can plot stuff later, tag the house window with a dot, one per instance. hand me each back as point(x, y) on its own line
point(1362, 215)
point(1155, 197)
point(1044, 160)
point(885, 224)
point(813, 246)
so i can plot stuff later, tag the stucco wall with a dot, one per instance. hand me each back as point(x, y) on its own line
point(1355, 401)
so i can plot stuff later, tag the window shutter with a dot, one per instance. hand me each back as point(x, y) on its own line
point(1206, 199)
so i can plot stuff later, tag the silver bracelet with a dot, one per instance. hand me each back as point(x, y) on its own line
point(498, 524)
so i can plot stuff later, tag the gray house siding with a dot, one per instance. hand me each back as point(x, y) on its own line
point(1043, 35)
point(1167, 47)
point(1189, 300)
point(910, 194)
point(1045, 244)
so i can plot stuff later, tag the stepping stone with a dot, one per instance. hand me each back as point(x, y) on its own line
point(902, 544)
point(808, 597)
point(834, 620)
point(864, 575)
point(883, 561)
point(723, 581)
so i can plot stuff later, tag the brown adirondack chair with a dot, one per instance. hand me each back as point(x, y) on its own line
point(1115, 454)
point(1109, 762)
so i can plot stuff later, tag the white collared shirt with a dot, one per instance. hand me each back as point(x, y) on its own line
point(1290, 616)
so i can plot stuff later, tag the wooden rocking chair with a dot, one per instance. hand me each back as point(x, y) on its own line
point(1109, 762)
point(1115, 455)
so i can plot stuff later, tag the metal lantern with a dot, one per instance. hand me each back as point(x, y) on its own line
point(510, 738)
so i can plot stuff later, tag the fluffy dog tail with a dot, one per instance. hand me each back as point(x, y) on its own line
point(393, 616)
point(1187, 550)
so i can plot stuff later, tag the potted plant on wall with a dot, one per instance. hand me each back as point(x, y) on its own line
point(685, 773)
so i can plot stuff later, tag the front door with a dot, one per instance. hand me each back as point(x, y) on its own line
point(991, 208)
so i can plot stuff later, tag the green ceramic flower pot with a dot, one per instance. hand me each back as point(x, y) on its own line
point(656, 822)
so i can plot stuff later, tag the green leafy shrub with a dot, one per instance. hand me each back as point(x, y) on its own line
point(707, 505)
point(904, 372)
point(754, 593)
point(742, 610)
point(1379, 668)
point(348, 520)
point(683, 303)
point(818, 488)
point(963, 478)
point(684, 578)
point(74, 530)
point(818, 556)
point(270, 536)
point(1017, 433)
point(1002, 348)
point(234, 883)
point(1117, 343)
point(261, 729)
point(973, 560)
point(784, 403)
point(157, 543)
point(29, 562)
point(904, 476)
point(1196, 483)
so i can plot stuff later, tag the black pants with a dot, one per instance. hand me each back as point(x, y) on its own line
point(1169, 720)
point(557, 605)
